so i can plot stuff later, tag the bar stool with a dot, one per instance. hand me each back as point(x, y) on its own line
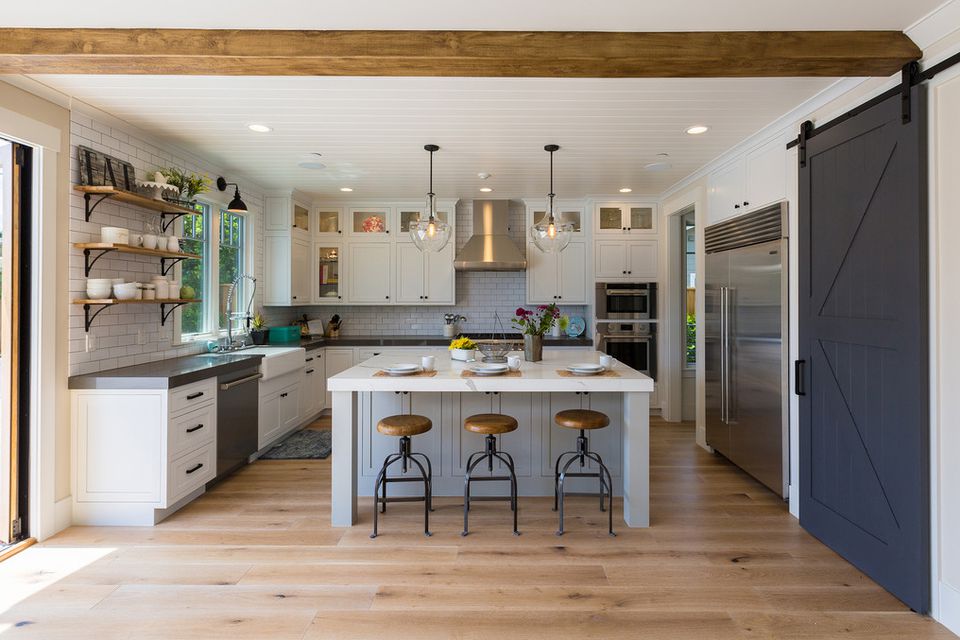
point(583, 420)
point(491, 425)
point(404, 426)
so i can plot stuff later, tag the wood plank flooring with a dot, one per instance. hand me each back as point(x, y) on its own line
point(257, 558)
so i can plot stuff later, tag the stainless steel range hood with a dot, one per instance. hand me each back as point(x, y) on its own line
point(490, 248)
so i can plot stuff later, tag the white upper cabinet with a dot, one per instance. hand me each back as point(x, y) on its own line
point(300, 271)
point(620, 218)
point(423, 277)
point(283, 213)
point(751, 181)
point(408, 214)
point(329, 222)
point(557, 277)
point(328, 272)
point(629, 260)
point(563, 212)
point(370, 273)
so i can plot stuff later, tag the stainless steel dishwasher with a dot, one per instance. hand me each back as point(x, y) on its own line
point(237, 411)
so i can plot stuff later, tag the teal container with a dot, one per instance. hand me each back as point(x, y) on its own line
point(284, 335)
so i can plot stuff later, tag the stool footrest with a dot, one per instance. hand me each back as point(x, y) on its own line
point(490, 478)
point(409, 479)
point(490, 498)
point(403, 499)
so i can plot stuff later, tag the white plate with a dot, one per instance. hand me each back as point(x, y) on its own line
point(585, 366)
point(402, 369)
point(489, 369)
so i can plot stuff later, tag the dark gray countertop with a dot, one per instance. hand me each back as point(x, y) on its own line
point(165, 374)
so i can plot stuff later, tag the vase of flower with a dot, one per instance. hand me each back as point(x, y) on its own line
point(534, 324)
point(533, 347)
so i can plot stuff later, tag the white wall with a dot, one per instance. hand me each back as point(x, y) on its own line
point(945, 343)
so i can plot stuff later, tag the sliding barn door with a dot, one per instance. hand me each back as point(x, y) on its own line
point(864, 441)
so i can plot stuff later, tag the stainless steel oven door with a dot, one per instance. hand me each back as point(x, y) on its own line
point(624, 301)
point(637, 352)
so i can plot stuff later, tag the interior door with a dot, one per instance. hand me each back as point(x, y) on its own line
point(717, 280)
point(864, 433)
point(756, 394)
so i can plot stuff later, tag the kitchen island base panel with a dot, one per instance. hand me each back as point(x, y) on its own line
point(356, 445)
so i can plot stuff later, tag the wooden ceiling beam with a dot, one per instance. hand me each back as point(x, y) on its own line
point(523, 54)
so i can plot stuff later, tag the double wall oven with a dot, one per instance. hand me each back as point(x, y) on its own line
point(626, 323)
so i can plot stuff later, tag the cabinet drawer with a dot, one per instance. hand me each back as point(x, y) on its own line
point(191, 471)
point(192, 396)
point(192, 430)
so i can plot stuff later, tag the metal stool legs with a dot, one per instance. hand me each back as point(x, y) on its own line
point(489, 454)
point(582, 454)
point(406, 458)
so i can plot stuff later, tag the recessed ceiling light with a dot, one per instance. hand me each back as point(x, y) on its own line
point(483, 175)
point(697, 129)
point(311, 161)
point(346, 189)
point(486, 189)
point(658, 166)
point(626, 190)
point(259, 128)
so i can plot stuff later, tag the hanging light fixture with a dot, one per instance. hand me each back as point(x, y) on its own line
point(549, 234)
point(236, 205)
point(431, 234)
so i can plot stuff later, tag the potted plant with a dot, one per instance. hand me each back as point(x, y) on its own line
point(560, 326)
point(257, 331)
point(463, 348)
point(189, 184)
point(533, 324)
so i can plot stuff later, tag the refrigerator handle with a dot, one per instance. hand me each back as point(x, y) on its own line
point(799, 377)
point(723, 354)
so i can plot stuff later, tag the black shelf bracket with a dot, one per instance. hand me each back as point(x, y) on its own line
point(88, 263)
point(173, 215)
point(88, 208)
point(165, 268)
point(166, 313)
point(88, 318)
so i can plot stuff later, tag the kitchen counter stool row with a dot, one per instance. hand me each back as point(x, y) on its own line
point(490, 425)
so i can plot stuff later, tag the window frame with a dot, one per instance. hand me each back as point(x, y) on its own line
point(211, 274)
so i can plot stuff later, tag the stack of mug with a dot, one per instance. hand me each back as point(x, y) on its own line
point(119, 235)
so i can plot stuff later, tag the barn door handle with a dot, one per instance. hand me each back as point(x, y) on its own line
point(799, 377)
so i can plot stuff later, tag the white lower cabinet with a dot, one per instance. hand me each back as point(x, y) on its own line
point(337, 360)
point(314, 395)
point(138, 453)
point(279, 407)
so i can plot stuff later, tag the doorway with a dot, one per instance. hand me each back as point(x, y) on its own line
point(688, 315)
point(16, 163)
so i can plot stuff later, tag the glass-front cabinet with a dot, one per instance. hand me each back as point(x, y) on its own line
point(370, 222)
point(329, 221)
point(328, 262)
point(564, 214)
point(626, 218)
point(301, 217)
point(409, 215)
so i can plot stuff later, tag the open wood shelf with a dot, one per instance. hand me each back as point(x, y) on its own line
point(89, 315)
point(107, 247)
point(164, 208)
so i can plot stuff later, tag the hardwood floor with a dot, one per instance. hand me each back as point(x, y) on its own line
point(257, 558)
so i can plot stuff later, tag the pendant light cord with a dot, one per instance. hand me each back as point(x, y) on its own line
point(431, 194)
point(551, 194)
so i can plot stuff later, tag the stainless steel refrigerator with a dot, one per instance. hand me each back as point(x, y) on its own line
point(746, 344)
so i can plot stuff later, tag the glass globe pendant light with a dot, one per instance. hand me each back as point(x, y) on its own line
point(549, 234)
point(431, 234)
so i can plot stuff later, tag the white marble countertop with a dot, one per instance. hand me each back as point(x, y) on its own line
point(535, 376)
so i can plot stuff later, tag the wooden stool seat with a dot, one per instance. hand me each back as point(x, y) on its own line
point(490, 424)
point(404, 425)
point(581, 419)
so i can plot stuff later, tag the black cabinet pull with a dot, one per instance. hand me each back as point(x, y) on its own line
point(310, 370)
point(623, 228)
point(194, 396)
point(196, 428)
point(339, 231)
point(624, 273)
point(310, 359)
point(746, 204)
point(339, 297)
point(283, 395)
point(387, 297)
point(736, 206)
point(799, 375)
point(629, 228)
point(196, 468)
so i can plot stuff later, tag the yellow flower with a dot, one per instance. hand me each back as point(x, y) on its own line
point(462, 343)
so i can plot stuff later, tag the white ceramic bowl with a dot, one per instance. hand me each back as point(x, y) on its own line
point(116, 235)
point(98, 288)
point(125, 291)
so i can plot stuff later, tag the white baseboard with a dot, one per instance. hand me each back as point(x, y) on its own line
point(793, 495)
point(62, 514)
point(949, 614)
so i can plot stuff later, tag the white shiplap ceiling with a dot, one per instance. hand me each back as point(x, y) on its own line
point(371, 131)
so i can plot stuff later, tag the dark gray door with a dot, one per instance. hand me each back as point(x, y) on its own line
point(864, 442)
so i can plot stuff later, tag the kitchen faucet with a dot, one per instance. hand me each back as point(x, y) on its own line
point(240, 315)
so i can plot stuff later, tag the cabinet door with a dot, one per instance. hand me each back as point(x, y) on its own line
point(276, 270)
point(311, 397)
point(541, 276)
point(290, 407)
point(329, 221)
point(370, 223)
point(642, 219)
point(573, 274)
point(276, 211)
point(726, 191)
point(557, 440)
point(608, 442)
point(301, 218)
point(410, 268)
point(642, 259)
point(268, 424)
point(465, 442)
point(441, 278)
point(766, 169)
point(519, 443)
point(374, 446)
point(337, 360)
point(611, 259)
point(300, 271)
point(370, 276)
point(610, 219)
point(327, 263)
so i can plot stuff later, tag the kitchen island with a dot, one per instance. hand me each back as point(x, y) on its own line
point(361, 397)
